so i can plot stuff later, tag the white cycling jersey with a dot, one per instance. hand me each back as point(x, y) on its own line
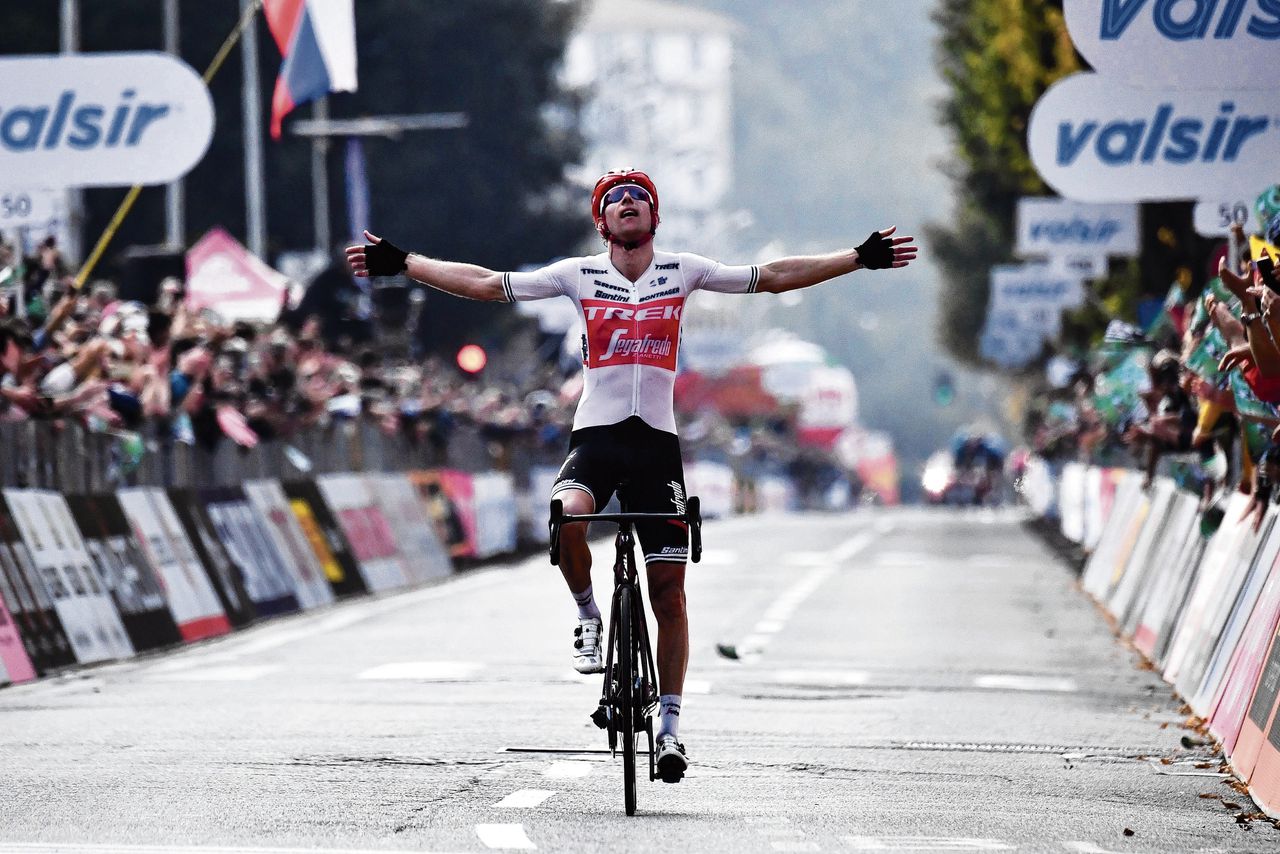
point(632, 335)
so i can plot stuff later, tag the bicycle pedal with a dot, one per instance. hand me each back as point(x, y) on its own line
point(600, 717)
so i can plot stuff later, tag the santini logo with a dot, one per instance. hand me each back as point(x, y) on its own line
point(78, 125)
point(1179, 20)
point(1176, 140)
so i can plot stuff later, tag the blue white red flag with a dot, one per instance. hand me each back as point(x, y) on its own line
point(317, 39)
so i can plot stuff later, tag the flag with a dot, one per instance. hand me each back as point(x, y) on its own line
point(317, 39)
point(357, 190)
point(235, 426)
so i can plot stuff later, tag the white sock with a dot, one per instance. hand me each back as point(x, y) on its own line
point(669, 707)
point(586, 604)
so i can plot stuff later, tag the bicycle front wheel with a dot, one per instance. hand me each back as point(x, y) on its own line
point(625, 713)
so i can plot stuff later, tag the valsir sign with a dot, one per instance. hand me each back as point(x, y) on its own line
point(1053, 227)
point(1095, 140)
point(103, 119)
point(1180, 44)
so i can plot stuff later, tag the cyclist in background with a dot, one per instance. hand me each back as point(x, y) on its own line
point(630, 299)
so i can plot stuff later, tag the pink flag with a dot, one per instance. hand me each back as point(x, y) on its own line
point(233, 423)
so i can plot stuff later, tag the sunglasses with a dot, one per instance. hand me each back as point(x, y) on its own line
point(620, 192)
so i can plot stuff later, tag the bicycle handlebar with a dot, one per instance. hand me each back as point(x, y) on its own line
point(692, 517)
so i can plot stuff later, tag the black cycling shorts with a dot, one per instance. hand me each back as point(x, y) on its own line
point(643, 465)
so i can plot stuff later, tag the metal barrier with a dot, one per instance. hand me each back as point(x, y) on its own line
point(65, 457)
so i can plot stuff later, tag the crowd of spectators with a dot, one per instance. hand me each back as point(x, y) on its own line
point(165, 371)
point(1196, 392)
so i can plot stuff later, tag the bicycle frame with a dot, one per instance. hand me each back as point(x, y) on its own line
point(626, 576)
point(630, 690)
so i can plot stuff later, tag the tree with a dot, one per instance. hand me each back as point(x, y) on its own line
point(997, 57)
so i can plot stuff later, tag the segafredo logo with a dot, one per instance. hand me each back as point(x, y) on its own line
point(1163, 42)
point(1099, 141)
point(102, 119)
point(1055, 227)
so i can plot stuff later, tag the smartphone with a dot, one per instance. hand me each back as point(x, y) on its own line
point(1267, 270)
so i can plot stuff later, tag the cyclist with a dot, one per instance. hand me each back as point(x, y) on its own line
point(630, 299)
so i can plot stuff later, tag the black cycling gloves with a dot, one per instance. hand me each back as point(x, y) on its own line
point(876, 252)
point(384, 258)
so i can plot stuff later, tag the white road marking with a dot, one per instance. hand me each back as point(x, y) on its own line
point(924, 843)
point(1086, 848)
point(795, 845)
point(217, 673)
point(504, 836)
point(109, 848)
point(904, 559)
point(805, 559)
point(1014, 682)
point(567, 768)
point(823, 678)
point(302, 626)
point(427, 670)
point(697, 686)
point(776, 617)
point(524, 799)
point(995, 558)
point(718, 557)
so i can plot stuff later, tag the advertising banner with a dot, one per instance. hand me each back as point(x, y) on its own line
point(192, 599)
point(1137, 570)
point(1248, 567)
point(1214, 218)
point(1213, 683)
point(535, 506)
point(242, 533)
point(123, 569)
point(1246, 662)
point(1113, 544)
point(421, 552)
point(1260, 716)
point(495, 508)
point(1178, 44)
point(224, 573)
point(310, 584)
point(440, 495)
point(15, 666)
point(1094, 140)
point(28, 602)
point(713, 484)
point(1216, 580)
point(1031, 287)
point(1181, 518)
point(84, 606)
point(103, 119)
point(775, 494)
point(325, 536)
point(366, 530)
point(1050, 227)
point(1071, 486)
point(32, 214)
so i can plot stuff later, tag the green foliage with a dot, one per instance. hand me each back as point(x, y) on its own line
point(997, 57)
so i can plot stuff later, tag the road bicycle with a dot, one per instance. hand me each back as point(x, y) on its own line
point(630, 691)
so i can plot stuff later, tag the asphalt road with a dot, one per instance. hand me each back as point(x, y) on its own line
point(906, 680)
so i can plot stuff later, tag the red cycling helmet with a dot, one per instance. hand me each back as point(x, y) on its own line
point(611, 179)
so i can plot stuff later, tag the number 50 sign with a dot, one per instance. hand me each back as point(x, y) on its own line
point(1214, 219)
point(26, 208)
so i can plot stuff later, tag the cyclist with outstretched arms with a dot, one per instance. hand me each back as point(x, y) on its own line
point(631, 300)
